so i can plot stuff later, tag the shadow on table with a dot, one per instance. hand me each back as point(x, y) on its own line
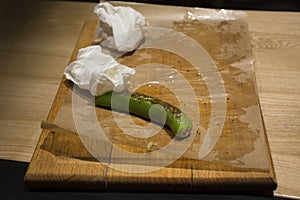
point(12, 187)
point(271, 5)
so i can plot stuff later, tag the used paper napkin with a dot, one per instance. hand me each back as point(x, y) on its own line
point(120, 26)
point(98, 72)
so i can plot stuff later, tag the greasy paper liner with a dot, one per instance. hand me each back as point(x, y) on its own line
point(218, 92)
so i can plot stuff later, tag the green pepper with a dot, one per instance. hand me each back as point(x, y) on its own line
point(149, 108)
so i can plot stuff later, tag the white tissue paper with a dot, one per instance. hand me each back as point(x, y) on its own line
point(98, 72)
point(121, 27)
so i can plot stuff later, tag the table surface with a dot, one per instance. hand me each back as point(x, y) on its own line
point(37, 40)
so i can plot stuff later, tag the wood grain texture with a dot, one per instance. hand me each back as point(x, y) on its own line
point(276, 46)
point(43, 56)
point(36, 45)
point(52, 166)
point(188, 175)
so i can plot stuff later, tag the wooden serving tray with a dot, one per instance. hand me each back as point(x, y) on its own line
point(61, 161)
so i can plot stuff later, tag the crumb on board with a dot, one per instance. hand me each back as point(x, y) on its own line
point(150, 145)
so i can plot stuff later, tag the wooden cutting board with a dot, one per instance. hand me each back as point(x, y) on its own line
point(62, 161)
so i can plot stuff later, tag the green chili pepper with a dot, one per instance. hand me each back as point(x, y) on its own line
point(139, 105)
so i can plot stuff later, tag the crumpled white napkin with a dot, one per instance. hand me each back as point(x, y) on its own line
point(122, 27)
point(98, 72)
